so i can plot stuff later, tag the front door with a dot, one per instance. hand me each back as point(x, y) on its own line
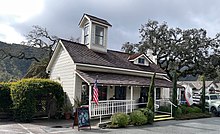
point(120, 92)
point(144, 94)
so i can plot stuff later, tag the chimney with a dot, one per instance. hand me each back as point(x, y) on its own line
point(151, 56)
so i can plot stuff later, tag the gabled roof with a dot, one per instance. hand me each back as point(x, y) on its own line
point(96, 19)
point(134, 56)
point(195, 84)
point(80, 53)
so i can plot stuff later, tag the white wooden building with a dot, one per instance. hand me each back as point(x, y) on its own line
point(195, 88)
point(126, 77)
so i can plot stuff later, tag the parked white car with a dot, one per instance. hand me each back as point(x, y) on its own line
point(213, 103)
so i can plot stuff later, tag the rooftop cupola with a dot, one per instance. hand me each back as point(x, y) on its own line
point(94, 32)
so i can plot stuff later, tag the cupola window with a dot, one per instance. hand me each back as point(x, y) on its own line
point(94, 32)
point(99, 35)
point(86, 34)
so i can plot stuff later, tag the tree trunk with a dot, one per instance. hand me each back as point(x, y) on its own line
point(203, 94)
point(150, 103)
point(174, 96)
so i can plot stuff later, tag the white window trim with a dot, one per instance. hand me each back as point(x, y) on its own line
point(86, 34)
point(100, 35)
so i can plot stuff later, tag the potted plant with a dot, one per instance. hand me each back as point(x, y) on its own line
point(67, 110)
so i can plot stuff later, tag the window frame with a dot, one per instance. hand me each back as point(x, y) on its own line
point(86, 34)
point(141, 60)
point(99, 36)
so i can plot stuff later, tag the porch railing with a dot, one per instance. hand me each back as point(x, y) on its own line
point(165, 106)
point(109, 107)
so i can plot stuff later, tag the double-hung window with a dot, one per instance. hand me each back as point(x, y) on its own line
point(99, 35)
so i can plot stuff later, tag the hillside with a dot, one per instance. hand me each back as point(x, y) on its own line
point(14, 68)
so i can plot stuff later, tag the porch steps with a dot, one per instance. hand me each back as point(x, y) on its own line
point(162, 117)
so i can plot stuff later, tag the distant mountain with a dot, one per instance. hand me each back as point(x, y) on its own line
point(14, 68)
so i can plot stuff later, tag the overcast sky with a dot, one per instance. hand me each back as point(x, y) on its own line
point(61, 17)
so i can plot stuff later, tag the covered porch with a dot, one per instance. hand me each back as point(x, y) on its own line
point(120, 92)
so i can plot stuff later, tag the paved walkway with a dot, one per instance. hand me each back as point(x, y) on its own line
point(198, 126)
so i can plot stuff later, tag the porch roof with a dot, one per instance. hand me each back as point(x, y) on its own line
point(122, 79)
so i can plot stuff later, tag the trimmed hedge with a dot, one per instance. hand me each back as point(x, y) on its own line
point(193, 116)
point(193, 109)
point(185, 112)
point(24, 96)
point(149, 114)
point(5, 98)
point(138, 118)
point(119, 120)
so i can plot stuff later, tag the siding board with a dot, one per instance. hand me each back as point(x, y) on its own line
point(62, 71)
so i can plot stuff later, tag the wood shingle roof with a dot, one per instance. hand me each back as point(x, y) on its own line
point(82, 54)
point(96, 19)
point(121, 79)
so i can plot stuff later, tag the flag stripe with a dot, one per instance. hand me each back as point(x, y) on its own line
point(95, 93)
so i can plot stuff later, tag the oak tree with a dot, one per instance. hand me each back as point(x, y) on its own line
point(188, 51)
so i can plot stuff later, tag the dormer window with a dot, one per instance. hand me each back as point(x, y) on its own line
point(141, 61)
point(99, 35)
point(86, 34)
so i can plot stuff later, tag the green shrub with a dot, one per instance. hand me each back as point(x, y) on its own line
point(150, 118)
point(120, 119)
point(189, 110)
point(149, 114)
point(184, 109)
point(25, 94)
point(138, 118)
point(179, 112)
point(193, 116)
point(5, 97)
point(23, 101)
point(197, 110)
point(193, 109)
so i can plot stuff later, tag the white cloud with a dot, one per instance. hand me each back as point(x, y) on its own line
point(16, 11)
point(61, 17)
point(21, 10)
point(9, 34)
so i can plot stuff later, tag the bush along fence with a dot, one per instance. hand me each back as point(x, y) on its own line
point(33, 97)
point(136, 118)
point(193, 112)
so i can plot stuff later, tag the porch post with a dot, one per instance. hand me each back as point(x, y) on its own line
point(131, 98)
point(154, 99)
point(90, 98)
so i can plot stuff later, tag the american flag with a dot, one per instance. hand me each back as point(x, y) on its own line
point(95, 93)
